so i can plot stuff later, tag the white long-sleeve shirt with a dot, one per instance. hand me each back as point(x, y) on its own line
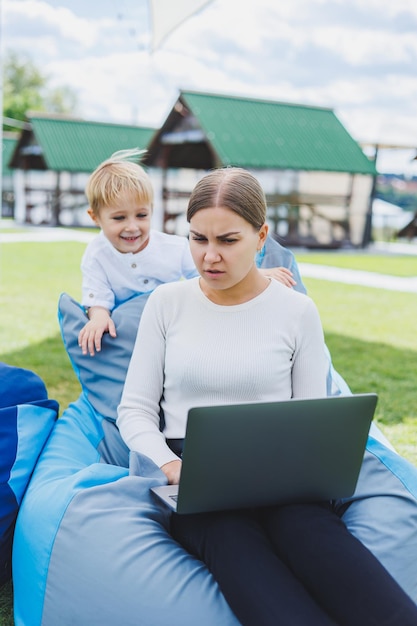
point(111, 277)
point(192, 352)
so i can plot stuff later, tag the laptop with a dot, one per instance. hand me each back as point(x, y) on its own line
point(259, 454)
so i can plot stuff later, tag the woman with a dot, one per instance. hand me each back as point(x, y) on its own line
point(234, 335)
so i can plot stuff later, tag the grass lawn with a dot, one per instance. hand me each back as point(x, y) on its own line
point(371, 333)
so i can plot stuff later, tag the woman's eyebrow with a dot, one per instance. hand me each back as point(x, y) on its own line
point(230, 234)
point(222, 236)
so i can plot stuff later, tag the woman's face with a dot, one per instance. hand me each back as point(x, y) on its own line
point(223, 246)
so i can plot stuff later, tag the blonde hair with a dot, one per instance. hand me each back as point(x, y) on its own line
point(119, 174)
point(231, 187)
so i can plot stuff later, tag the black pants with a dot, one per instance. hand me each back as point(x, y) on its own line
point(295, 565)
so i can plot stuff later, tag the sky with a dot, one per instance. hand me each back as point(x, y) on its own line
point(357, 57)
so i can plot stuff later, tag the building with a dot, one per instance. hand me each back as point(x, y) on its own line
point(318, 181)
point(54, 157)
point(9, 142)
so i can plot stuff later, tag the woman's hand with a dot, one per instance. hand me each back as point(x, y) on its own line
point(172, 471)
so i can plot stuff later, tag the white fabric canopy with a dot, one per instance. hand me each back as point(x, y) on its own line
point(169, 14)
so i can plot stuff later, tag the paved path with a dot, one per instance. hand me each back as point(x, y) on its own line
point(40, 233)
point(358, 277)
point(310, 270)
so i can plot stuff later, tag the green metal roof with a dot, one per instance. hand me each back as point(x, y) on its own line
point(9, 144)
point(80, 146)
point(264, 134)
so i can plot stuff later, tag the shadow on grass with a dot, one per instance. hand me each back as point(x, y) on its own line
point(6, 605)
point(50, 361)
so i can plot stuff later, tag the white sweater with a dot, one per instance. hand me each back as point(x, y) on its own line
point(192, 352)
point(111, 277)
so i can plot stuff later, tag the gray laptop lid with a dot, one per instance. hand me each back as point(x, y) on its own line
point(258, 454)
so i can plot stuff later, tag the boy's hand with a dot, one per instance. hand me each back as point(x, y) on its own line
point(90, 336)
point(282, 274)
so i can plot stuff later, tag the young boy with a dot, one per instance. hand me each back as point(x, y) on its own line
point(128, 257)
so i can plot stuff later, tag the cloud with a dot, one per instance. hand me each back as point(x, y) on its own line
point(57, 31)
point(357, 57)
point(36, 24)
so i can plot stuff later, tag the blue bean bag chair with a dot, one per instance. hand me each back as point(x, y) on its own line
point(26, 420)
point(92, 546)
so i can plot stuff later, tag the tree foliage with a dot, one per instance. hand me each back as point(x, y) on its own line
point(26, 88)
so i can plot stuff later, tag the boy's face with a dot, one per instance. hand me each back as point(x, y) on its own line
point(126, 224)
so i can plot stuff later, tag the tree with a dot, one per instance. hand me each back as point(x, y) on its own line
point(25, 89)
